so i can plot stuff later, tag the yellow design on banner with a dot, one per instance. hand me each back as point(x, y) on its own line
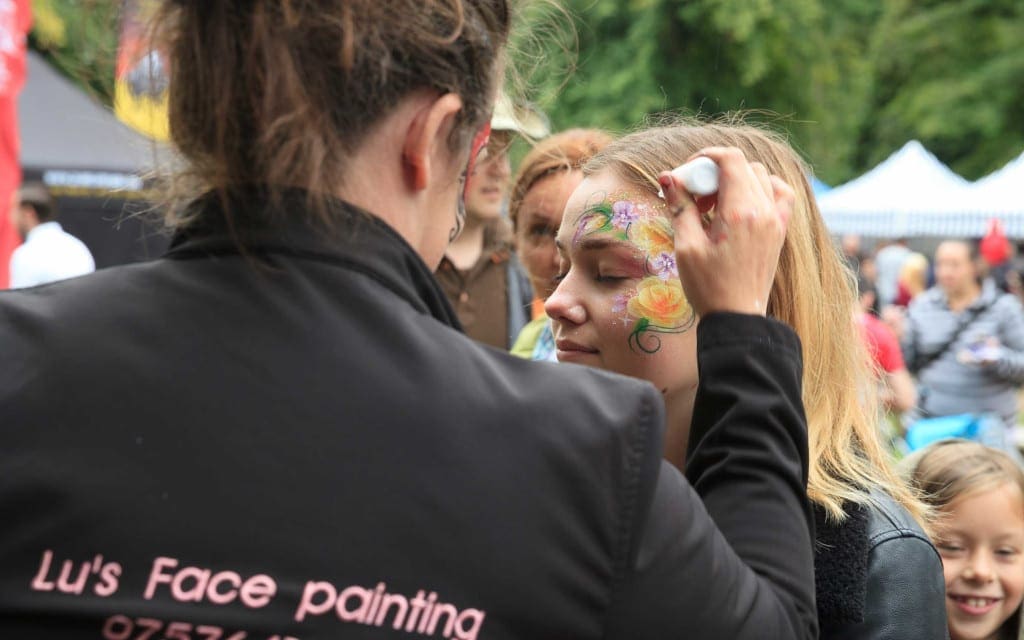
point(140, 89)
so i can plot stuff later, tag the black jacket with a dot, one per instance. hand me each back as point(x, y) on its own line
point(295, 442)
point(878, 576)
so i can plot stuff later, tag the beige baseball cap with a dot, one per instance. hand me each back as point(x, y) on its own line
point(524, 119)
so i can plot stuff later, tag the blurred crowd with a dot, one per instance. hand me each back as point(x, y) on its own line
point(946, 330)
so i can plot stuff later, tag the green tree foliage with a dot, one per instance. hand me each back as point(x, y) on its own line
point(850, 80)
point(788, 57)
point(952, 75)
point(80, 38)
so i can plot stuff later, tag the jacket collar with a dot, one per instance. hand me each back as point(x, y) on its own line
point(841, 567)
point(354, 239)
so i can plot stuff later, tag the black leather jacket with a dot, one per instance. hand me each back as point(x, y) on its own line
point(296, 442)
point(878, 576)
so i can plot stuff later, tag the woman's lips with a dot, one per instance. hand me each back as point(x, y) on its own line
point(567, 350)
point(974, 605)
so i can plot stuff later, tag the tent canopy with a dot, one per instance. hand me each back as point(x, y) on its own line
point(913, 194)
point(1002, 188)
point(62, 128)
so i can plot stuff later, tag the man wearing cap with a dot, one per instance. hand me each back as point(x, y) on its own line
point(49, 253)
point(479, 274)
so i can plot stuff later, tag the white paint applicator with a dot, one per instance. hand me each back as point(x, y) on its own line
point(699, 176)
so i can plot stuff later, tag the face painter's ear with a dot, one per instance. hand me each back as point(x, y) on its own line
point(425, 148)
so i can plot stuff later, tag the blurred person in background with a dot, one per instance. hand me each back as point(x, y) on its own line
point(897, 387)
point(543, 182)
point(620, 306)
point(48, 253)
point(997, 251)
point(888, 261)
point(480, 273)
point(277, 429)
point(852, 253)
point(869, 269)
point(912, 280)
point(964, 340)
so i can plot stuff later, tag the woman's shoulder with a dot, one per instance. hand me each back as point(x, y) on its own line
point(888, 520)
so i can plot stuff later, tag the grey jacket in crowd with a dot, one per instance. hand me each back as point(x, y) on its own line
point(948, 386)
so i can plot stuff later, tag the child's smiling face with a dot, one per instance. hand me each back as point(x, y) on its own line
point(619, 304)
point(982, 548)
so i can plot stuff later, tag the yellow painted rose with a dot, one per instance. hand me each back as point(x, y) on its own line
point(661, 302)
point(653, 235)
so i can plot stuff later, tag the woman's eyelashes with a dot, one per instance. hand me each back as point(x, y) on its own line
point(608, 278)
point(606, 270)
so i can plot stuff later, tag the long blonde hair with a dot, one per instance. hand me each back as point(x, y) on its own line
point(814, 293)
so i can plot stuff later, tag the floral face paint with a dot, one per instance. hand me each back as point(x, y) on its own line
point(619, 305)
point(657, 304)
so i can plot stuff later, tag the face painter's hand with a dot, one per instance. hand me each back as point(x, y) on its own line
point(728, 247)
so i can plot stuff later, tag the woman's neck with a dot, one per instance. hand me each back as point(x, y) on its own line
point(678, 417)
point(466, 249)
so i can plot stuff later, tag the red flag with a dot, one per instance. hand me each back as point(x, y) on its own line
point(15, 20)
point(995, 246)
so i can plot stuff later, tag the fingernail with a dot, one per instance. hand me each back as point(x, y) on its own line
point(666, 182)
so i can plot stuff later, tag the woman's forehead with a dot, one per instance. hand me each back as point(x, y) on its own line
point(613, 200)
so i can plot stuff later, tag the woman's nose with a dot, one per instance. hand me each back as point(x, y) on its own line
point(563, 306)
point(498, 165)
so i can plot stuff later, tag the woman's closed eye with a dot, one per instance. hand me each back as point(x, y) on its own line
point(617, 269)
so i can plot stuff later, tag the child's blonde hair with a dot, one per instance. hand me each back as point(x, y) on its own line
point(950, 469)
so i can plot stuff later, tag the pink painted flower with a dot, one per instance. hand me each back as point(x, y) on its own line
point(624, 214)
point(664, 265)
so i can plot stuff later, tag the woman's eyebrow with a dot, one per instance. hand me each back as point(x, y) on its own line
point(597, 244)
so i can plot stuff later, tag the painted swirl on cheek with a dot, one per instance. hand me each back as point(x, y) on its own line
point(658, 304)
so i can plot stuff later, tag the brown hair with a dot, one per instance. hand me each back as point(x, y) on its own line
point(565, 151)
point(279, 93)
point(950, 469)
point(814, 293)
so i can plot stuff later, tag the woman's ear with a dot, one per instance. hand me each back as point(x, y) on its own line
point(426, 136)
